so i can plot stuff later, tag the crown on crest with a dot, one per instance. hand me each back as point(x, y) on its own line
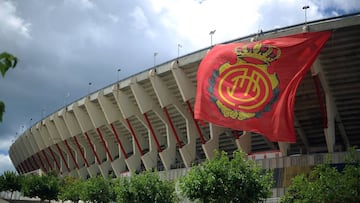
point(258, 53)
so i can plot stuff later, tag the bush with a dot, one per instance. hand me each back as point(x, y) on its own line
point(45, 187)
point(145, 187)
point(327, 184)
point(225, 180)
point(96, 189)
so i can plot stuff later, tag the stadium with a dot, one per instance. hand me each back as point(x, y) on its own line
point(146, 121)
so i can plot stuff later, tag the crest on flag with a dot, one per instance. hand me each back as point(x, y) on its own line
point(246, 89)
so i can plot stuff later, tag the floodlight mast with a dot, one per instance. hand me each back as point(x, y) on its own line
point(211, 36)
point(305, 8)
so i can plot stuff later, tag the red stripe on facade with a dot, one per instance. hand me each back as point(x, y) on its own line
point(42, 163)
point(47, 160)
point(25, 167)
point(134, 136)
point(152, 132)
point(81, 151)
point(172, 127)
point(18, 170)
point(28, 164)
point(55, 160)
point(104, 144)
point(71, 154)
point(196, 123)
point(119, 141)
point(35, 162)
point(92, 148)
point(62, 157)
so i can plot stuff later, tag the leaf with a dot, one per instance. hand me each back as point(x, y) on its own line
point(2, 110)
point(7, 61)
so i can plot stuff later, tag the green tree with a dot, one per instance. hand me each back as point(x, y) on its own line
point(7, 61)
point(227, 180)
point(145, 187)
point(45, 187)
point(96, 189)
point(70, 189)
point(326, 184)
point(10, 181)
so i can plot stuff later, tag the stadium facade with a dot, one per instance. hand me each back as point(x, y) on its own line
point(146, 121)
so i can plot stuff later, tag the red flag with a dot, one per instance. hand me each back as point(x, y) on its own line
point(252, 86)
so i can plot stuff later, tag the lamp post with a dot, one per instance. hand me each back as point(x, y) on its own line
point(211, 36)
point(43, 112)
point(305, 8)
point(90, 83)
point(155, 54)
point(179, 46)
point(66, 98)
point(117, 77)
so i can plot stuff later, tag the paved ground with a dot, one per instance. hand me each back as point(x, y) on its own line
point(3, 201)
point(19, 201)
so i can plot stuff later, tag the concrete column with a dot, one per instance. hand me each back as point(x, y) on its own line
point(213, 144)
point(64, 158)
point(48, 143)
point(75, 132)
point(25, 151)
point(34, 148)
point(284, 146)
point(40, 144)
point(112, 114)
point(146, 104)
point(98, 120)
point(244, 142)
point(330, 130)
point(65, 136)
point(166, 98)
point(89, 134)
point(128, 109)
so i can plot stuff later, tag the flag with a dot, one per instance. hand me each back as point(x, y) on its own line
point(251, 86)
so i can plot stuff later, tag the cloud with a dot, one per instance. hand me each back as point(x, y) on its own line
point(113, 18)
point(81, 4)
point(5, 143)
point(10, 23)
point(5, 163)
point(193, 21)
point(141, 22)
point(348, 6)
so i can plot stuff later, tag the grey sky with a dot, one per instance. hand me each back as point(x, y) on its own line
point(64, 45)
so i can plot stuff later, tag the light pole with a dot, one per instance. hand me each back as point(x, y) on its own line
point(305, 8)
point(155, 54)
point(118, 71)
point(43, 112)
point(66, 97)
point(211, 36)
point(179, 46)
point(90, 83)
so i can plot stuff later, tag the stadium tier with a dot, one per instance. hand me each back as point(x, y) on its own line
point(147, 121)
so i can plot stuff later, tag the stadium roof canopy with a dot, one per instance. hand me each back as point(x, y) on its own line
point(328, 96)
